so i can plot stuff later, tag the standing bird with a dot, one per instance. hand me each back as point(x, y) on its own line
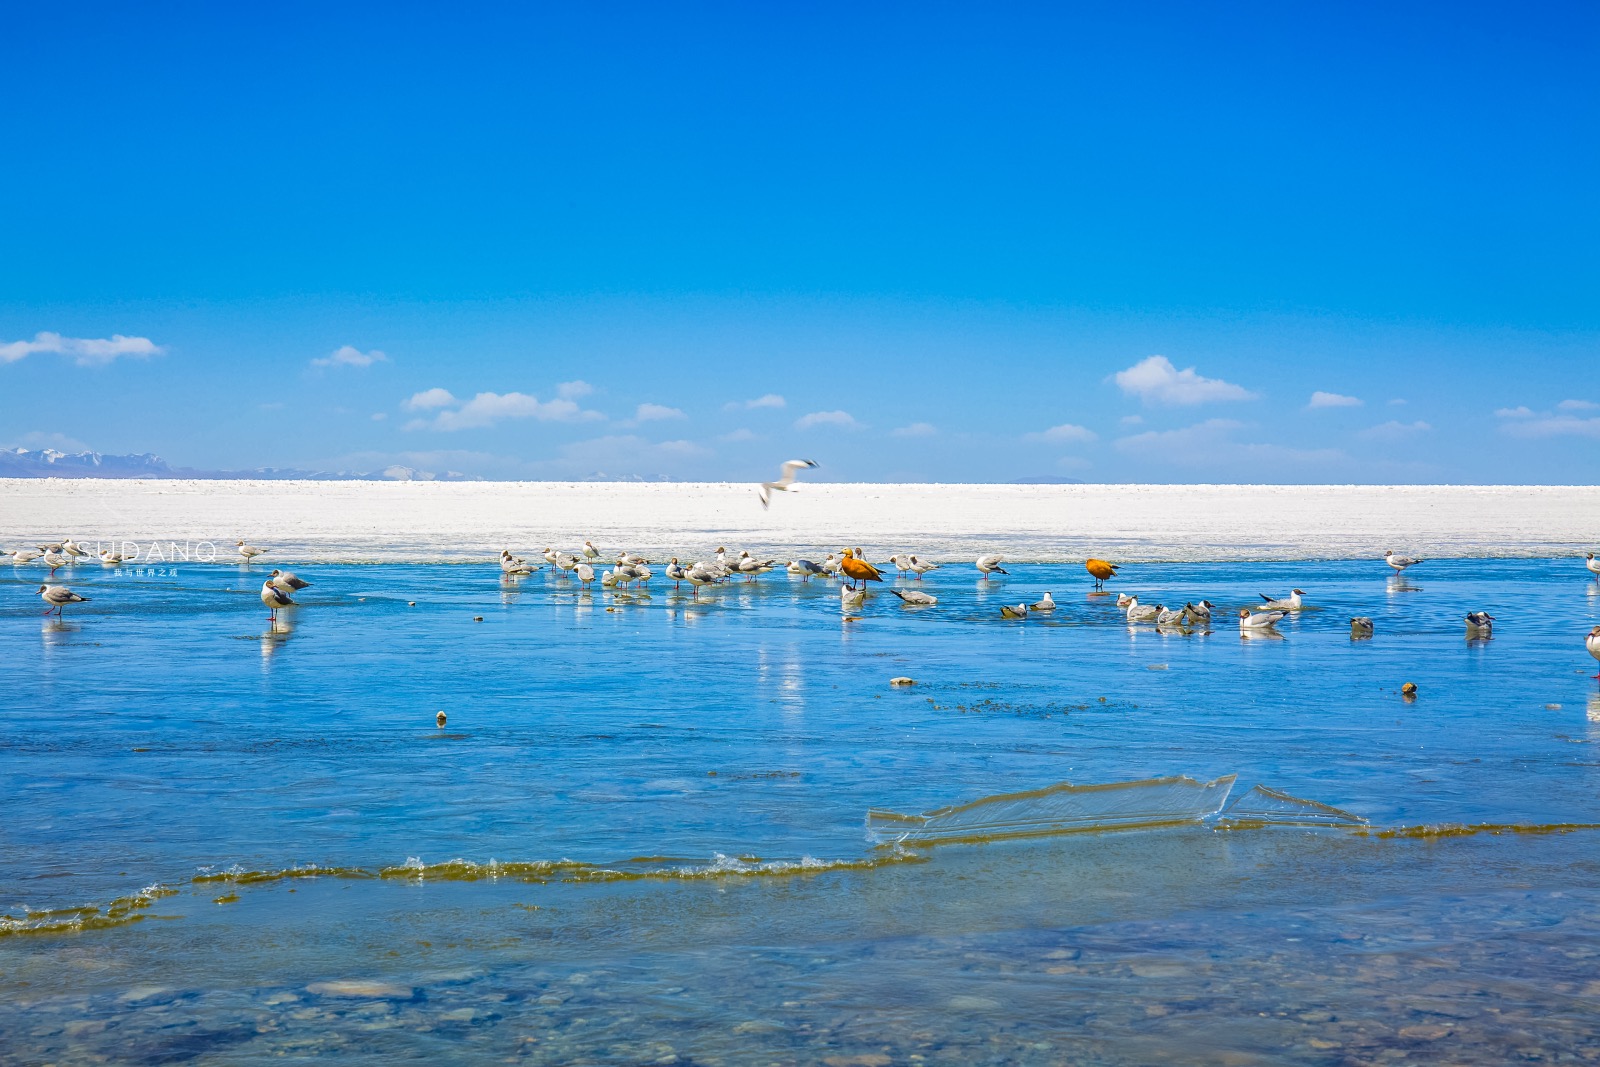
point(919, 567)
point(1592, 643)
point(71, 548)
point(589, 551)
point(274, 598)
point(675, 572)
point(1360, 628)
point(585, 573)
point(1593, 565)
point(287, 582)
point(1399, 563)
point(249, 552)
point(916, 598)
point(1101, 570)
point(1480, 624)
point(54, 559)
point(805, 569)
point(702, 574)
point(857, 570)
point(830, 565)
point(991, 565)
point(785, 479)
point(58, 597)
point(511, 566)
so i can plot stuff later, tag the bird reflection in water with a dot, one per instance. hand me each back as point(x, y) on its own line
point(279, 629)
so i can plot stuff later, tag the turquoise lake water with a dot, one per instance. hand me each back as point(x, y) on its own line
point(641, 835)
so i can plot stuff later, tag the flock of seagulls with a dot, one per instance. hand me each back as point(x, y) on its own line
point(849, 567)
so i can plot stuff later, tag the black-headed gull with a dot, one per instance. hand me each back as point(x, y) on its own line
point(72, 548)
point(990, 565)
point(805, 569)
point(1046, 605)
point(1360, 627)
point(58, 597)
point(1169, 617)
point(830, 565)
point(703, 574)
point(1592, 643)
point(511, 566)
point(249, 552)
point(1260, 620)
point(1593, 565)
point(110, 558)
point(675, 572)
point(1138, 612)
point(287, 581)
point(1198, 614)
point(785, 479)
point(1020, 611)
point(589, 551)
point(1480, 624)
point(585, 573)
point(274, 598)
point(916, 598)
point(19, 556)
point(1292, 602)
point(921, 567)
point(1399, 563)
point(55, 559)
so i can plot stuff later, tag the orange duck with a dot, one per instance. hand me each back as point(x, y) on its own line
point(858, 570)
point(1101, 571)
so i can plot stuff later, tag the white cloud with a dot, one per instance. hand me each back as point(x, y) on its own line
point(655, 412)
point(1520, 412)
point(379, 416)
point(1394, 430)
point(574, 390)
point(1210, 444)
point(350, 356)
point(1131, 420)
point(1397, 402)
point(1554, 426)
point(770, 400)
point(1156, 381)
point(1577, 405)
point(429, 399)
point(916, 429)
point(1065, 432)
point(486, 409)
point(827, 418)
point(682, 448)
point(84, 351)
point(741, 434)
point(1319, 399)
point(58, 441)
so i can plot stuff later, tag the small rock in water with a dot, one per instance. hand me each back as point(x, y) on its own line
point(902, 681)
point(477, 618)
point(357, 987)
point(1155, 666)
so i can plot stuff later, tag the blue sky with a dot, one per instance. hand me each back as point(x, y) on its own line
point(916, 242)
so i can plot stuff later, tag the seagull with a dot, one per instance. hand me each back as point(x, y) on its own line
point(920, 568)
point(1360, 626)
point(851, 597)
point(785, 480)
point(550, 556)
point(701, 574)
point(510, 565)
point(54, 559)
point(1138, 612)
point(1124, 599)
point(1480, 624)
point(1399, 563)
point(566, 563)
point(675, 572)
point(1018, 612)
point(58, 597)
point(609, 579)
point(20, 556)
point(249, 552)
point(1198, 614)
point(631, 560)
point(916, 598)
point(110, 558)
point(72, 549)
point(1291, 602)
point(642, 573)
point(585, 573)
point(1261, 620)
point(274, 598)
point(902, 564)
point(805, 569)
point(858, 570)
point(1048, 604)
point(751, 567)
point(1169, 616)
point(830, 565)
point(287, 582)
point(1593, 565)
point(1592, 643)
point(589, 551)
point(991, 564)
point(1101, 570)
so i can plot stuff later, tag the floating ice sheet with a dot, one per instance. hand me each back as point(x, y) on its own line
point(1268, 807)
point(1059, 809)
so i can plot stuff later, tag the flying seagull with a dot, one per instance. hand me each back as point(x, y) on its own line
point(785, 480)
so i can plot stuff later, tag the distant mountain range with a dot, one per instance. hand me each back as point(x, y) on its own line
point(48, 463)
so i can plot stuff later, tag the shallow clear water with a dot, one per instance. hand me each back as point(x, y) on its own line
point(707, 769)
